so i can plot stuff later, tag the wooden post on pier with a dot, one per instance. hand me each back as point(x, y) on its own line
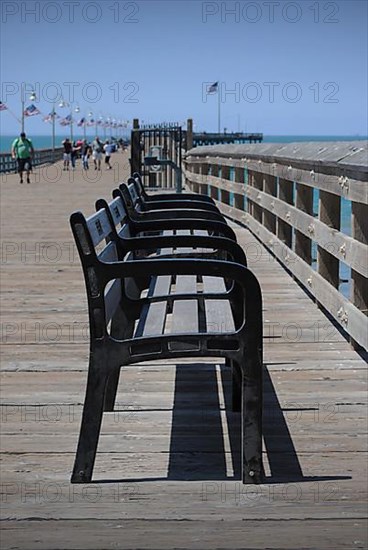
point(135, 157)
point(284, 229)
point(203, 188)
point(269, 187)
point(359, 288)
point(239, 199)
point(189, 133)
point(329, 214)
point(304, 202)
point(224, 194)
point(215, 171)
point(256, 181)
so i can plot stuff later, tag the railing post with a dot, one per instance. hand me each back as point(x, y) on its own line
point(257, 182)
point(203, 188)
point(135, 161)
point(269, 187)
point(304, 202)
point(239, 199)
point(359, 289)
point(214, 190)
point(284, 229)
point(329, 213)
point(224, 194)
point(189, 133)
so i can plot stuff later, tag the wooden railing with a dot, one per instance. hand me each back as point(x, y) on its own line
point(42, 156)
point(291, 197)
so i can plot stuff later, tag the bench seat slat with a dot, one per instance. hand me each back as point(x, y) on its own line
point(213, 284)
point(186, 284)
point(185, 317)
point(152, 320)
point(219, 317)
point(160, 286)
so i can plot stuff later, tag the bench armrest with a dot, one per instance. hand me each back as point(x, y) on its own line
point(178, 213)
point(187, 241)
point(178, 197)
point(252, 297)
point(183, 223)
point(178, 204)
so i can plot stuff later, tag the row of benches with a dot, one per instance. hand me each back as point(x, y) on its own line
point(165, 278)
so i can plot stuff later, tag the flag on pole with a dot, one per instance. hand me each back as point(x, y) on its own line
point(213, 88)
point(66, 121)
point(50, 116)
point(31, 110)
point(3, 107)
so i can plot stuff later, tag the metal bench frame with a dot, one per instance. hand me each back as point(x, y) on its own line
point(123, 304)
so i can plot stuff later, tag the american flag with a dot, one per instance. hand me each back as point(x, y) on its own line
point(66, 121)
point(50, 116)
point(31, 110)
point(3, 107)
point(91, 122)
point(213, 88)
point(81, 122)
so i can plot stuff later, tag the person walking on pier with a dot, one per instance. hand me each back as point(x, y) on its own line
point(97, 150)
point(108, 148)
point(67, 153)
point(22, 150)
point(86, 151)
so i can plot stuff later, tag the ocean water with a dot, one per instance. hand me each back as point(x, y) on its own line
point(45, 141)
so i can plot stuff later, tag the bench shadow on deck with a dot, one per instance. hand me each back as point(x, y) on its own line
point(195, 455)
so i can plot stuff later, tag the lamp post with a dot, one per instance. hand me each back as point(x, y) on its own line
point(76, 110)
point(53, 114)
point(32, 97)
point(100, 121)
point(90, 115)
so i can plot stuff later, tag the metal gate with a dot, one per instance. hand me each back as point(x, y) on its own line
point(163, 141)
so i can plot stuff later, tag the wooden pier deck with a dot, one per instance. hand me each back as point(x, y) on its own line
point(167, 472)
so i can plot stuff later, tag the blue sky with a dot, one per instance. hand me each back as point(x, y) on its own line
point(293, 67)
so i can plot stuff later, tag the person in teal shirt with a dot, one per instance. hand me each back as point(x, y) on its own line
point(22, 150)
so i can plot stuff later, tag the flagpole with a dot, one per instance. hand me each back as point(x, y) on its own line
point(53, 127)
point(219, 108)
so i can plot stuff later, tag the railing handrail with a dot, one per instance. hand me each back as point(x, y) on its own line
point(41, 156)
point(277, 181)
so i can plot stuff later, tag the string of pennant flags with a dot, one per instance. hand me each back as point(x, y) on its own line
point(32, 110)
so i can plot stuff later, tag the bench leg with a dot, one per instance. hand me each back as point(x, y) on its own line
point(120, 329)
point(236, 386)
point(91, 424)
point(111, 389)
point(251, 420)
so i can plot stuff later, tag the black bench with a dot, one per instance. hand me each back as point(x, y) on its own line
point(165, 209)
point(163, 219)
point(153, 309)
point(177, 237)
point(136, 179)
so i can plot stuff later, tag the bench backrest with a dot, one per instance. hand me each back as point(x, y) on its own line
point(136, 179)
point(94, 237)
point(117, 213)
point(131, 198)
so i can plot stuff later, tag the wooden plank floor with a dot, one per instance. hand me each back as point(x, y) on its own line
point(167, 473)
